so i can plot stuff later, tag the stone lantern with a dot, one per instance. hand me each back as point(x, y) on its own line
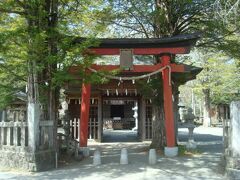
point(189, 118)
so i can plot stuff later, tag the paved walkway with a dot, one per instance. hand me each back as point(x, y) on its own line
point(206, 165)
point(119, 136)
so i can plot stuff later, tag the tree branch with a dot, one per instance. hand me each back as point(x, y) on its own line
point(12, 72)
point(142, 26)
point(127, 27)
point(12, 11)
point(141, 13)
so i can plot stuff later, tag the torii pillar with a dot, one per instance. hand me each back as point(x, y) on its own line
point(170, 150)
point(84, 116)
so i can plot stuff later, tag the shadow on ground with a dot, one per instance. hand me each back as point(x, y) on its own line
point(205, 166)
point(119, 136)
point(166, 168)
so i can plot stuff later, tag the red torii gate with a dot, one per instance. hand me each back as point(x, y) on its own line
point(165, 48)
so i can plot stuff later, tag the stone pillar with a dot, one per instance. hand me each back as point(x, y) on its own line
point(33, 125)
point(8, 136)
point(0, 115)
point(171, 149)
point(2, 136)
point(233, 155)
point(4, 116)
point(235, 129)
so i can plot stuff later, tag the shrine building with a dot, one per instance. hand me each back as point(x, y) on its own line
point(111, 105)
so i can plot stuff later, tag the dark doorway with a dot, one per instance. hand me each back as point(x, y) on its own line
point(117, 111)
point(118, 121)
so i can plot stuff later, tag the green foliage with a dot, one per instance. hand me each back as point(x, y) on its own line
point(12, 57)
point(36, 38)
point(163, 18)
point(220, 74)
point(83, 18)
point(152, 89)
point(218, 21)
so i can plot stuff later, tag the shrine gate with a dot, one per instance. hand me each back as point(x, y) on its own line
point(86, 105)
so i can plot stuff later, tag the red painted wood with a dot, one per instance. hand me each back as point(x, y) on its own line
point(84, 116)
point(136, 68)
point(141, 51)
point(177, 67)
point(168, 104)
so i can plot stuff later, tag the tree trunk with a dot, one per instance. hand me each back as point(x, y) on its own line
point(176, 114)
point(43, 19)
point(158, 130)
point(33, 108)
point(206, 108)
point(53, 103)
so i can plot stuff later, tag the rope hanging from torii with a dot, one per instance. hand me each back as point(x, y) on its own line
point(122, 78)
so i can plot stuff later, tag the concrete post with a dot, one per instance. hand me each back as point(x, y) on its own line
point(152, 156)
point(97, 158)
point(85, 151)
point(124, 156)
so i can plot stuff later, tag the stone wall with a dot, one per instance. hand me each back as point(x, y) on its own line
point(40, 161)
point(16, 148)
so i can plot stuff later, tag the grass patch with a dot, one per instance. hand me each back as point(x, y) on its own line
point(183, 151)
